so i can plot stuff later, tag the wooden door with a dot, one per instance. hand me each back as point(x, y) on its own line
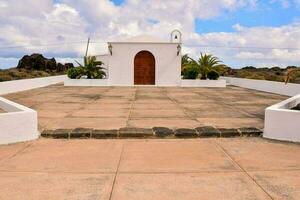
point(144, 68)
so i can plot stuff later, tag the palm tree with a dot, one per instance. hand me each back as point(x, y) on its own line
point(185, 62)
point(206, 63)
point(92, 68)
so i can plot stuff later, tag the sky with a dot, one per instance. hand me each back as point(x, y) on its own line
point(261, 33)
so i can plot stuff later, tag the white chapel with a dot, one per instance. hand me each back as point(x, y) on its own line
point(144, 60)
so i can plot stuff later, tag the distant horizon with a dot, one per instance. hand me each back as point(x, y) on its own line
point(72, 60)
point(239, 32)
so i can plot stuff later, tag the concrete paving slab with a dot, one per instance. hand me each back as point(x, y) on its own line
point(164, 122)
point(153, 101)
point(221, 113)
point(232, 122)
point(43, 122)
point(279, 184)
point(55, 186)
point(230, 107)
point(84, 156)
point(258, 154)
point(98, 106)
point(174, 156)
point(162, 113)
point(253, 110)
point(59, 106)
point(53, 113)
point(112, 101)
point(228, 168)
point(10, 150)
point(186, 186)
point(147, 106)
point(81, 122)
point(112, 112)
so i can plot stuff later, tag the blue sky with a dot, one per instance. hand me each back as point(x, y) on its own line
point(208, 26)
point(118, 2)
point(265, 14)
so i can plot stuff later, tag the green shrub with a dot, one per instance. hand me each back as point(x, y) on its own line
point(190, 72)
point(75, 72)
point(213, 75)
point(36, 73)
point(5, 77)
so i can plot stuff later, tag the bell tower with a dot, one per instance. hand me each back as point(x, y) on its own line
point(176, 36)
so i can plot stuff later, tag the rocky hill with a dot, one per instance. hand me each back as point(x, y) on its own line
point(34, 66)
point(39, 62)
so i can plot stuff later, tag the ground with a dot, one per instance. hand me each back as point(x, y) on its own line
point(228, 168)
point(214, 168)
point(146, 107)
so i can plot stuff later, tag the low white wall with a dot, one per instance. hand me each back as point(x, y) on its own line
point(27, 84)
point(281, 123)
point(18, 123)
point(203, 83)
point(86, 82)
point(289, 89)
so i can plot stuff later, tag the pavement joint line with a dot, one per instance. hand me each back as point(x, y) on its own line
point(231, 107)
point(181, 172)
point(171, 118)
point(245, 172)
point(178, 104)
point(56, 172)
point(82, 105)
point(116, 173)
point(53, 121)
point(273, 170)
point(131, 107)
point(139, 172)
point(15, 154)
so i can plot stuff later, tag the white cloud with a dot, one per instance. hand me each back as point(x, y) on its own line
point(284, 3)
point(297, 2)
point(253, 46)
point(287, 3)
point(73, 21)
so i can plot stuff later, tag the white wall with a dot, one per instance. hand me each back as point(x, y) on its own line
point(167, 63)
point(27, 84)
point(289, 89)
point(281, 123)
point(18, 123)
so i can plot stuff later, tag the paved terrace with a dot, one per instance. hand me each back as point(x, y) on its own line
point(231, 168)
point(145, 107)
point(214, 168)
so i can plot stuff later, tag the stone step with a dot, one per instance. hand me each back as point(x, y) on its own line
point(155, 132)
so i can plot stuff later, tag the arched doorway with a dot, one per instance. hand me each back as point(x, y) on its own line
point(144, 68)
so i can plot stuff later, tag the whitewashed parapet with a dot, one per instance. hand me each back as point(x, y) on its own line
point(86, 82)
point(203, 83)
point(289, 89)
point(27, 84)
point(282, 123)
point(18, 123)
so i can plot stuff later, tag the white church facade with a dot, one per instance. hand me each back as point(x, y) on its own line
point(144, 60)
